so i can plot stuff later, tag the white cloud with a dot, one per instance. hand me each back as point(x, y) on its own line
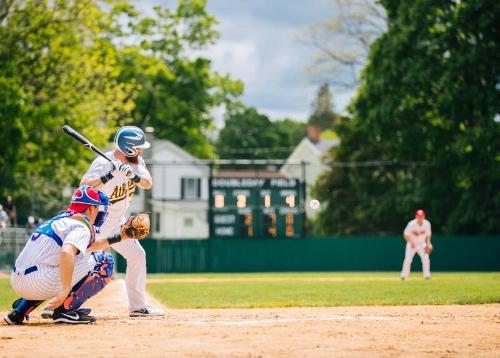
point(258, 45)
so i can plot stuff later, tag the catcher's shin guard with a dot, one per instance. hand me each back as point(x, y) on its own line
point(91, 284)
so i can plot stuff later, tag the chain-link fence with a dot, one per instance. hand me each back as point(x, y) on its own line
point(12, 241)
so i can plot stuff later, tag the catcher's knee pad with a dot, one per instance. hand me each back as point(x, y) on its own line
point(93, 283)
point(104, 264)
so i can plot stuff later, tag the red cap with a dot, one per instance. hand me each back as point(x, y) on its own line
point(420, 214)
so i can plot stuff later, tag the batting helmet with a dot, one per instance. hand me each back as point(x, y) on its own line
point(129, 139)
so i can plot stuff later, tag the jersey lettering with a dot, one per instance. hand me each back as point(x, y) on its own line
point(120, 192)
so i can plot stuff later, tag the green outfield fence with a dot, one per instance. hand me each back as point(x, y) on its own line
point(451, 253)
point(360, 253)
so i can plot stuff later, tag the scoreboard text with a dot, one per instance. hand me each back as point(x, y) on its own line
point(255, 207)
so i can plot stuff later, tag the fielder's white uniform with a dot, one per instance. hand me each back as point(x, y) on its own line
point(120, 191)
point(44, 253)
point(417, 234)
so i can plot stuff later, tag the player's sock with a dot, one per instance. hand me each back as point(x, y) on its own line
point(25, 306)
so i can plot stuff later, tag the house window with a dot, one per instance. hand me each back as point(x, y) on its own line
point(188, 222)
point(157, 222)
point(190, 188)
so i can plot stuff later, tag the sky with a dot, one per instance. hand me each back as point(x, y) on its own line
point(259, 44)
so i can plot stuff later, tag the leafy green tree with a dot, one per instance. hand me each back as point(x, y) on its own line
point(423, 124)
point(96, 66)
point(56, 68)
point(248, 134)
point(176, 90)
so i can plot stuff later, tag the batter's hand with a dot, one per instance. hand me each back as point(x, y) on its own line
point(126, 171)
point(58, 300)
point(122, 170)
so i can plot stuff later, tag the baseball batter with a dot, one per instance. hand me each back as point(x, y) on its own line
point(119, 180)
point(57, 262)
point(418, 240)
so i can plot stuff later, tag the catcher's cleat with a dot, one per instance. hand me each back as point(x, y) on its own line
point(147, 311)
point(71, 317)
point(47, 314)
point(14, 317)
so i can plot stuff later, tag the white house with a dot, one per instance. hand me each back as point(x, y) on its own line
point(179, 198)
point(310, 150)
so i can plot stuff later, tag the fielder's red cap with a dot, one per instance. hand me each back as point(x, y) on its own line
point(420, 214)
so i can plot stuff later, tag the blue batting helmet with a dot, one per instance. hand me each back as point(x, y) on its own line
point(129, 139)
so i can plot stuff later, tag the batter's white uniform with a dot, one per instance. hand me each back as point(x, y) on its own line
point(120, 191)
point(44, 253)
point(417, 234)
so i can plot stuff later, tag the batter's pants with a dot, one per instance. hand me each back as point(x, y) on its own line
point(135, 277)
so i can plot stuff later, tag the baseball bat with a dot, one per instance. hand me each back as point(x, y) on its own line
point(74, 134)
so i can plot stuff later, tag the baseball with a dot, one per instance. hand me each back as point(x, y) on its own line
point(314, 204)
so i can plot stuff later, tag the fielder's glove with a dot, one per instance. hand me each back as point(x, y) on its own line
point(137, 226)
point(428, 249)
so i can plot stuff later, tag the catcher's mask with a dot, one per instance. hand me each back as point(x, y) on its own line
point(101, 217)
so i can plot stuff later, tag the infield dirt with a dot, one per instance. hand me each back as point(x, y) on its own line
point(410, 331)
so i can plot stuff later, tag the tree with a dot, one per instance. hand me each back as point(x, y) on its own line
point(343, 41)
point(248, 134)
point(422, 133)
point(176, 90)
point(96, 66)
point(323, 113)
point(56, 68)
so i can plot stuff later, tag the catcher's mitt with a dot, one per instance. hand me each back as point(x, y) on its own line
point(428, 249)
point(137, 226)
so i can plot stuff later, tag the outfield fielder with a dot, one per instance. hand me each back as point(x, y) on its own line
point(118, 180)
point(57, 262)
point(418, 240)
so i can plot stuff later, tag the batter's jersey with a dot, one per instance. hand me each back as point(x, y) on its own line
point(418, 232)
point(42, 249)
point(119, 189)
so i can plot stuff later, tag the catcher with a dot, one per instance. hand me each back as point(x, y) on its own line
point(62, 262)
point(418, 240)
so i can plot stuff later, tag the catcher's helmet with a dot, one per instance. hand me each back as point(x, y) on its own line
point(85, 196)
point(129, 139)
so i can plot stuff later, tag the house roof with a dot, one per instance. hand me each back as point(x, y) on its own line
point(158, 144)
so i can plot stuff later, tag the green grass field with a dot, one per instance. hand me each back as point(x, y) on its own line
point(322, 289)
point(311, 289)
point(7, 295)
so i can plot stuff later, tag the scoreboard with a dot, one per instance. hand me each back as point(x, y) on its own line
point(255, 208)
